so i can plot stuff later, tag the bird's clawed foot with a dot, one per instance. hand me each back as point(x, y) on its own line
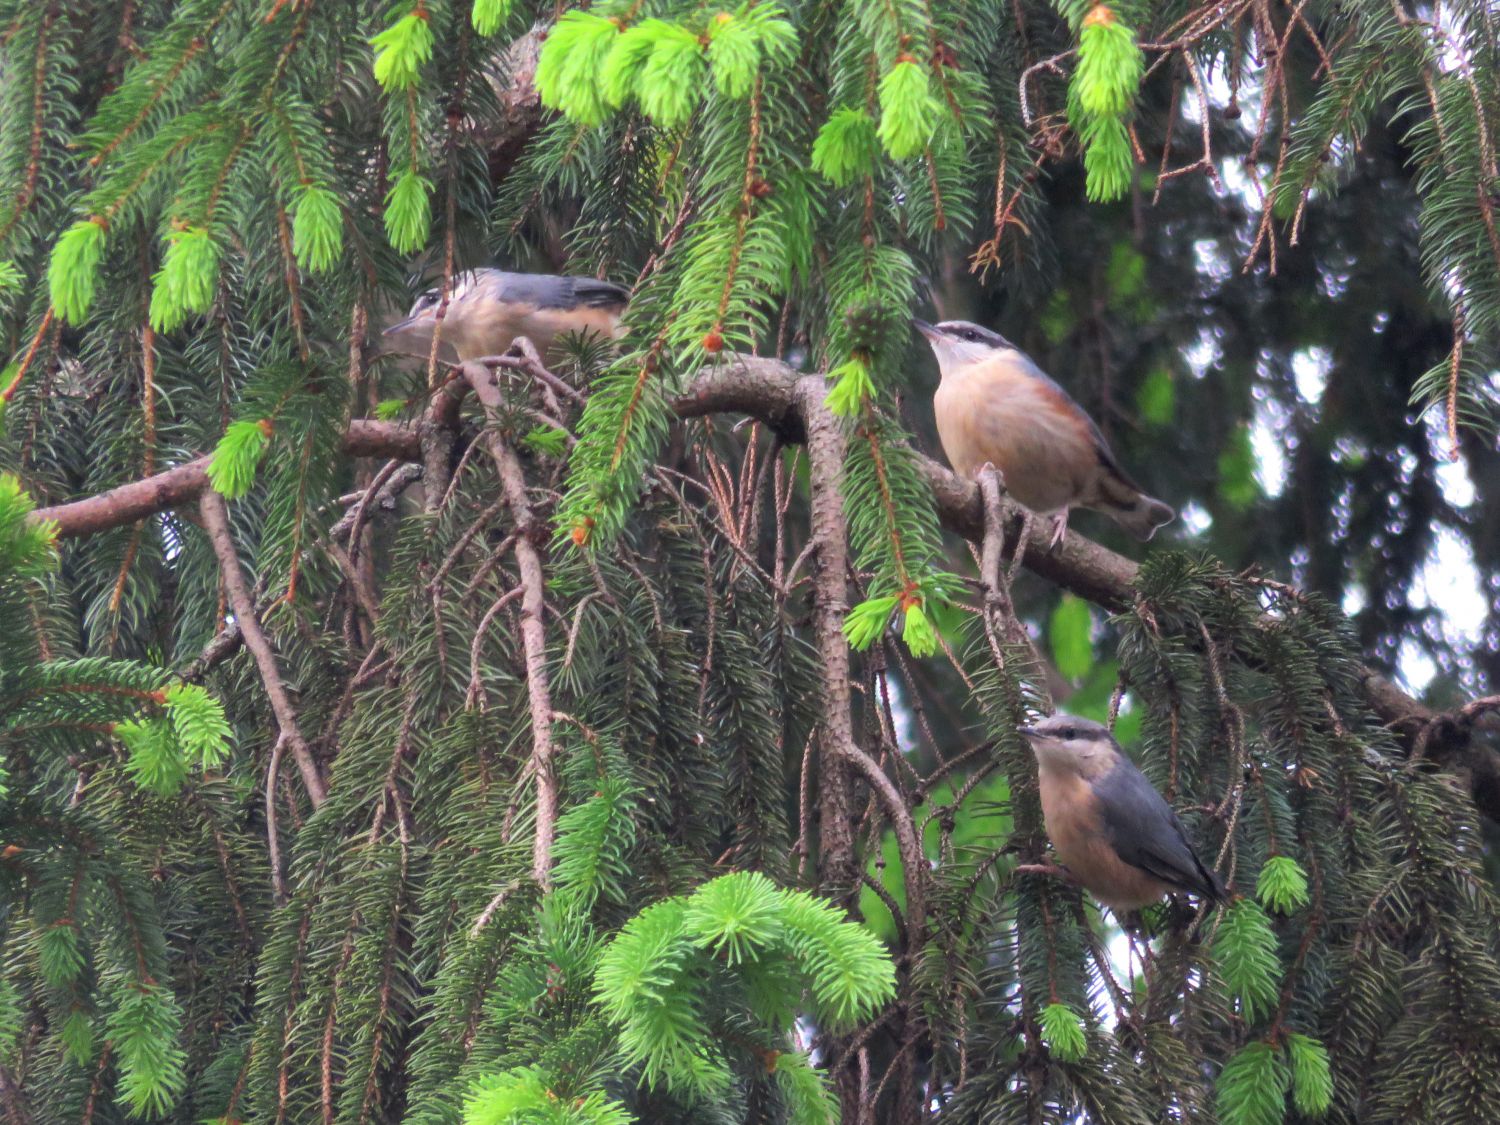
point(1059, 531)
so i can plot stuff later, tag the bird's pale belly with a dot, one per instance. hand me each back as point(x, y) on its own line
point(494, 335)
point(1045, 458)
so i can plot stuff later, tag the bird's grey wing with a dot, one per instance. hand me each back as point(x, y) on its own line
point(551, 291)
point(599, 294)
point(1106, 455)
point(1146, 833)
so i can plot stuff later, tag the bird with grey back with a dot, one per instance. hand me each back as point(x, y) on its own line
point(1109, 826)
point(994, 406)
point(487, 309)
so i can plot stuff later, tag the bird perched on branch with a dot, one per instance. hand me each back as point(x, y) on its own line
point(1109, 826)
point(995, 406)
point(487, 309)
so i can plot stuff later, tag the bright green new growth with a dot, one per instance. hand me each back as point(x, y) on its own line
point(734, 916)
point(590, 65)
point(185, 283)
point(847, 147)
point(1100, 96)
point(1252, 1087)
point(488, 16)
point(73, 269)
point(231, 470)
point(670, 82)
point(408, 211)
point(1282, 884)
point(156, 762)
point(909, 113)
point(317, 228)
point(740, 43)
point(401, 51)
point(523, 1097)
point(627, 55)
point(739, 932)
point(572, 59)
point(917, 632)
point(1062, 1032)
point(1245, 949)
point(26, 545)
point(198, 722)
point(1312, 1077)
point(867, 621)
point(851, 387)
point(163, 748)
point(1110, 66)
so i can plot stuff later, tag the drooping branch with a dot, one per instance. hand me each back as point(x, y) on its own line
point(533, 635)
point(766, 389)
point(216, 523)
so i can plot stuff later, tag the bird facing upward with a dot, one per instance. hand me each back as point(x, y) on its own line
point(487, 309)
point(1108, 824)
point(995, 406)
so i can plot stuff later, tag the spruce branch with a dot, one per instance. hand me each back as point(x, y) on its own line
point(216, 524)
point(766, 389)
point(533, 636)
point(825, 453)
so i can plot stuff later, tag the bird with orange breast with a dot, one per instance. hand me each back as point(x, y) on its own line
point(1109, 826)
point(996, 407)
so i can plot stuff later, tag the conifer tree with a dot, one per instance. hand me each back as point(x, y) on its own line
point(635, 738)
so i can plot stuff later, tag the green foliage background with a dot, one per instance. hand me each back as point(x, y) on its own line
point(210, 206)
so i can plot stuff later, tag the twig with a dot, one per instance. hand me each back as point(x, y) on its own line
point(216, 523)
point(533, 606)
point(273, 840)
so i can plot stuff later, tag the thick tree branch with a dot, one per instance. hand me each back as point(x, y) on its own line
point(825, 455)
point(766, 389)
point(216, 523)
point(185, 483)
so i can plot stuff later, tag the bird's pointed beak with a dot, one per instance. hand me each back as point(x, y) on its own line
point(928, 330)
point(400, 327)
point(1028, 732)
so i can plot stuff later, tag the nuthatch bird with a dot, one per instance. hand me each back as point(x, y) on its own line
point(487, 309)
point(1109, 826)
point(995, 406)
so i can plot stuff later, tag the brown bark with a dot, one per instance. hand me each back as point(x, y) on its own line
point(766, 389)
point(216, 523)
point(533, 635)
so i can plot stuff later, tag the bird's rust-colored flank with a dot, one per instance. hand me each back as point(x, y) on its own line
point(995, 406)
point(1078, 835)
point(1109, 826)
